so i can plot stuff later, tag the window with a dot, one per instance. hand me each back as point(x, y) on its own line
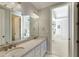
point(25, 27)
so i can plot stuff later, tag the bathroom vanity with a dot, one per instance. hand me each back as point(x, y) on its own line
point(36, 47)
point(32, 48)
point(15, 29)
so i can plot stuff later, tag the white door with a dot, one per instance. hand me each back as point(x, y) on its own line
point(60, 35)
point(2, 26)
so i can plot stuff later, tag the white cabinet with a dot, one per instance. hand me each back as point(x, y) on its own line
point(43, 48)
point(30, 54)
point(37, 51)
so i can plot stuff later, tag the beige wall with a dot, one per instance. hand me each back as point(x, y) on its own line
point(44, 25)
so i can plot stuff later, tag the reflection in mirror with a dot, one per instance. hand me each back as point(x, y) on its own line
point(16, 26)
point(20, 27)
point(34, 28)
point(25, 27)
point(4, 26)
point(16, 31)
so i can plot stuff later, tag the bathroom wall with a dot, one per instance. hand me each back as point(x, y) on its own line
point(44, 22)
point(44, 25)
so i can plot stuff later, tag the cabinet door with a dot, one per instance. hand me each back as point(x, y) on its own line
point(30, 54)
point(37, 52)
point(43, 48)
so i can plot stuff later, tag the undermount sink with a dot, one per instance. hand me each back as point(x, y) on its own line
point(14, 52)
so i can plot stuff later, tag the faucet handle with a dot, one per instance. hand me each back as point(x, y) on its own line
point(7, 43)
point(14, 45)
point(3, 36)
point(5, 48)
point(10, 46)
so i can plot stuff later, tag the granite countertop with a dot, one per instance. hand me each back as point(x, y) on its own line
point(28, 45)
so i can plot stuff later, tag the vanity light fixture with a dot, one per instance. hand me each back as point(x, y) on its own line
point(11, 5)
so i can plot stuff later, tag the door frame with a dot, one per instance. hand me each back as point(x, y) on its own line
point(70, 42)
point(75, 29)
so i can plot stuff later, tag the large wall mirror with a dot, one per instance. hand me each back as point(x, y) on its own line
point(5, 36)
point(16, 26)
point(20, 27)
point(24, 26)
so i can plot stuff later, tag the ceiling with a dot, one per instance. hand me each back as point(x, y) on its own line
point(41, 5)
point(37, 5)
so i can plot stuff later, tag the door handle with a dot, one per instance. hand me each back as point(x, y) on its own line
point(78, 23)
point(77, 41)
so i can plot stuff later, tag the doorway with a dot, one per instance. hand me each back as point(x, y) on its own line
point(16, 27)
point(60, 31)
